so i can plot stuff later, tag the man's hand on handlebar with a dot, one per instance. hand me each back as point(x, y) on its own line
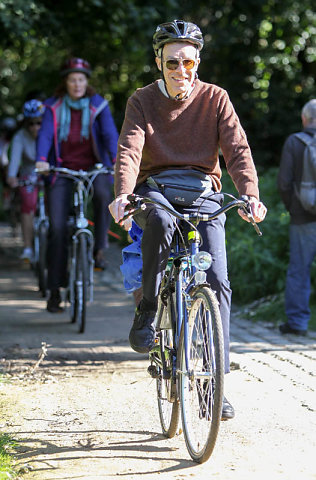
point(258, 210)
point(117, 210)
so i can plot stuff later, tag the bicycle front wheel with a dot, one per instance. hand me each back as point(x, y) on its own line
point(201, 373)
point(81, 283)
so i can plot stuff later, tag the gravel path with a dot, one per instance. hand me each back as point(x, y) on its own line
point(88, 410)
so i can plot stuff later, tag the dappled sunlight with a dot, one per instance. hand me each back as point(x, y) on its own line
point(21, 304)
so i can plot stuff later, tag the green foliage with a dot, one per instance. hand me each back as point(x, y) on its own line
point(114, 35)
point(257, 265)
point(264, 54)
point(261, 51)
point(7, 462)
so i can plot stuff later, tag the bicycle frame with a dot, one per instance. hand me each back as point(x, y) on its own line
point(177, 259)
point(180, 262)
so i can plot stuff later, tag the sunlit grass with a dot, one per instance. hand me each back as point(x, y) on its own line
point(7, 461)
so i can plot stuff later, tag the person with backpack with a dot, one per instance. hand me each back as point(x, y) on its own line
point(297, 187)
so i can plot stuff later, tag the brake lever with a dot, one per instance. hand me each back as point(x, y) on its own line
point(133, 207)
point(247, 209)
point(254, 224)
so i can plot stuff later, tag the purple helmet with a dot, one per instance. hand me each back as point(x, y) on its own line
point(75, 65)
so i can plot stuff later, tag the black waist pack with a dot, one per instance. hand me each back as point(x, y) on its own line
point(182, 186)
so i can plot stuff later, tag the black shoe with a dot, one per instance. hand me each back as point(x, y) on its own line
point(99, 260)
point(54, 301)
point(228, 411)
point(285, 328)
point(143, 332)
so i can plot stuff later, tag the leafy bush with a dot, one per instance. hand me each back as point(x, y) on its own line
point(7, 461)
point(257, 265)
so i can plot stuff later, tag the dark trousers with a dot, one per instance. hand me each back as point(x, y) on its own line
point(158, 227)
point(59, 207)
point(298, 279)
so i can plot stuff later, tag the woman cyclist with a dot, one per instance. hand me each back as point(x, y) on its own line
point(78, 131)
point(22, 156)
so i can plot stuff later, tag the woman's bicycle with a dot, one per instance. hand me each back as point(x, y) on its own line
point(187, 360)
point(81, 261)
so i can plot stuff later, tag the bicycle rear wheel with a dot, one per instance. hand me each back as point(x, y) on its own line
point(202, 384)
point(81, 283)
point(168, 402)
point(42, 264)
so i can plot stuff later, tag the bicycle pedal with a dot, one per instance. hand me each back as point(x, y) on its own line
point(166, 375)
point(153, 371)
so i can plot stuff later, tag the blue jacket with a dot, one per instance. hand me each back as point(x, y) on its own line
point(104, 134)
point(132, 266)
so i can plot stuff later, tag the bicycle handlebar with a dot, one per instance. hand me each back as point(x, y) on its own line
point(78, 173)
point(138, 203)
point(34, 182)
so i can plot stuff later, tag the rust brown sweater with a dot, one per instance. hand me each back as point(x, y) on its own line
point(159, 133)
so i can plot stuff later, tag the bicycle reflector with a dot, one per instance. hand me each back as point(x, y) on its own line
point(202, 260)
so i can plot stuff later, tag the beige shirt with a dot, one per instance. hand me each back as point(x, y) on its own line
point(161, 133)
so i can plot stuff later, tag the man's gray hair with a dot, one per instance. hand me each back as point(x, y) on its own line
point(309, 111)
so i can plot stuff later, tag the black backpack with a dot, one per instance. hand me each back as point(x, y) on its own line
point(306, 190)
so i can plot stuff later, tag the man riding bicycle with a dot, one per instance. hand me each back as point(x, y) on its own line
point(175, 126)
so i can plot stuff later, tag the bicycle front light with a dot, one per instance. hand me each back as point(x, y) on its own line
point(82, 222)
point(202, 260)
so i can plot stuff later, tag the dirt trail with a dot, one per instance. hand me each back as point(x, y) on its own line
point(89, 410)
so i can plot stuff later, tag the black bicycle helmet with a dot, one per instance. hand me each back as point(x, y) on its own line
point(177, 31)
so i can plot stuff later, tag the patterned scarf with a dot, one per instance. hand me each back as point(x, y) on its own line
point(65, 117)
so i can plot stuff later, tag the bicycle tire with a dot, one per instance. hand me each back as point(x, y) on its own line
point(42, 263)
point(81, 283)
point(71, 295)
point(201, 398)
point(168, 402)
